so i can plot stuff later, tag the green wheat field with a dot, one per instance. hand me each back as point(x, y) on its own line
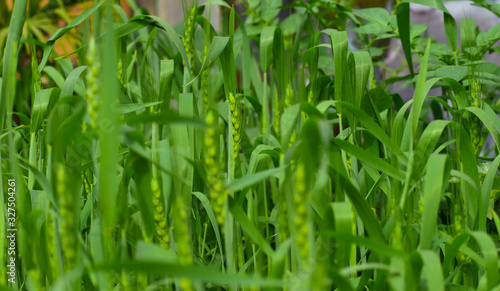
point(271, 153)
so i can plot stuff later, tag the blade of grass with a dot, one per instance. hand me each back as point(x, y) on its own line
point(339, 49)
point(343, 224)
point(434, 187)
point(432, 270)
point(361, 206)
point(490, 256)
point(109, 127)
point(44, 100)
point(488, 123)
point(249, 180)
point(193, 273)
point(427, 143)
point(469, 167)
point(10, 59)
point(419, 95)
point(62, 31)
point(403, 16)
point(367, 157)
point(208, 207)
point(374, 129)
point(71, 83)
point(216, 48)
point(248, 227)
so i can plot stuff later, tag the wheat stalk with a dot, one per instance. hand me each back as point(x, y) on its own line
point(92, 92)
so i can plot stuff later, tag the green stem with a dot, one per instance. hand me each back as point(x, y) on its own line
point(32, 159)
point(265, 106)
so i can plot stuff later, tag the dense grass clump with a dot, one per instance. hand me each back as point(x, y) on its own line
point(269, 155)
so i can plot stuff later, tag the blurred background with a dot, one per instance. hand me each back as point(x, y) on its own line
point(394, 56)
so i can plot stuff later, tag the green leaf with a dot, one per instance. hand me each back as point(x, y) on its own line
point(132, 107)
point(279, 57)
point(436, 4)
point(247, 57)
point(215, 2)
point(372, 28)
point(193, 273)
point(62, 31)
point(213, 220)
point(377, 15)
point(486, 190)
point(432, 270)
point(342, 217)
point(450, 28)
point(248, 227)
point(461, 95)
point(427, 143)
point(324, 105)
point(229, 67)
point(257, 154)
point(61, 126)
point(416, 30)
point(492, 116)
point(165, 118)
point(109, 127)
point(367, 157)
point(403, 15)
point(171, 33)
point(434, 186)
point(166, 76)
point(310, 110)
point(370, 221)
point(363, 65)
point(420, 93)
point(378, 99)
point(469, 167)
point(266, 47)
point(146, 251)
point(71, 84)
point(468, 34)
point(291, 24)
point(249, 180)
point(55, 75)
point(374, 129)
point(339, 48)
point(44, 101)
point(456, 73)
point(494, 33)
point(378, 247)
point(287, 123)
point(490, 256)
point(218, 45)
point(488, 122)
point(452, 249)
point(269, 9)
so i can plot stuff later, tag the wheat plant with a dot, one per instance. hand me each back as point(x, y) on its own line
point(271, 154)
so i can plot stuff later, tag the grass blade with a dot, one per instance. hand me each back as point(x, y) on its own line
point(437, 172)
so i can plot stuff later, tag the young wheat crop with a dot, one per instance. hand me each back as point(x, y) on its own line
point(265, 155)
